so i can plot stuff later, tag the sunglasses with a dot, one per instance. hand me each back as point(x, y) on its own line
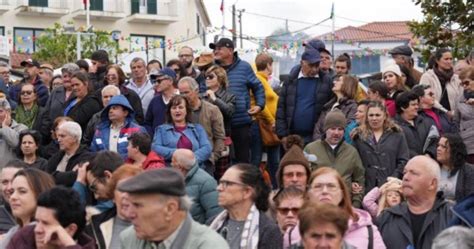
point(26, 92)
point(285, 211)
point(210, 77)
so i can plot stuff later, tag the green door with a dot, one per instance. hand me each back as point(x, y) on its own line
point(38, 3)
point(152, 6)
point(97, 5)
point(135, 6)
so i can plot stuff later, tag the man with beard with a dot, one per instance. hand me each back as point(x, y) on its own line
point(100, 61)
point(186, 57)
point(332, 151)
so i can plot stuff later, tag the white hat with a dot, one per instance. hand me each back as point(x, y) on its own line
point(394, 68)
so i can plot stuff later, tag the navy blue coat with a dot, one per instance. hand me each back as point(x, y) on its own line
point(242, 79)
point(287, 101)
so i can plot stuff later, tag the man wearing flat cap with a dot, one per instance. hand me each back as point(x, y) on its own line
point(402, 56)
point(242, 78)
point(302, 98)
point(159, 213)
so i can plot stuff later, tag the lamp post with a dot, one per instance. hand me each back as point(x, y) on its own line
point(116, 37)
point(70, 30)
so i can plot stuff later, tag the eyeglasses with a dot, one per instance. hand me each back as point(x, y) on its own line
point(26, 92)
point(285, 211)
point(225, 183)
point(210, 77)
point(93, 185)
point(331, 187)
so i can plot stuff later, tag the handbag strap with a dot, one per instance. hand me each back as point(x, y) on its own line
point(371, 237)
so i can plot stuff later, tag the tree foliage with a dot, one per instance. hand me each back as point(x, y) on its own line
point(448, 23)
point(58, 47)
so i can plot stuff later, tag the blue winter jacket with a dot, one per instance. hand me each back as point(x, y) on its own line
point(102, 133)
point(242, 79)
point(166, 139)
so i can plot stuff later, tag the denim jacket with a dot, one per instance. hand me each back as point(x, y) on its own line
point(166, 139)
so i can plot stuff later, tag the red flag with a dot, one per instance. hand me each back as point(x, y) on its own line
point(85, 3)
point(221, 8)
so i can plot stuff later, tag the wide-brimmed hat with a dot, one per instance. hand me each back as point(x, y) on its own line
point(204, 59)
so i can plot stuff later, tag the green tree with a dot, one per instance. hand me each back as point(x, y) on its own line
point(448, 23)
point(58, 47)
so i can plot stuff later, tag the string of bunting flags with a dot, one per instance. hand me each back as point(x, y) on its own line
point(138, 44)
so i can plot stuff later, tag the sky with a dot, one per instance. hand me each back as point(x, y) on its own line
point(306, 13)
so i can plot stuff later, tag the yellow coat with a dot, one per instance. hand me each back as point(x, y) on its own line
point(269, 112)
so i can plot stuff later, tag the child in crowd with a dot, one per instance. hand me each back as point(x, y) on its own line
point(387, 196)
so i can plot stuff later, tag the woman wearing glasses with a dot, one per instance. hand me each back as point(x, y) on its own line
point(179, 133)
point(28, 149)
point(115, 76)
point(444, 83)
point(327, 186)
point(217, 94)
point(31, 114)
point(244, 195)
point(464, 115)
point(382, 146)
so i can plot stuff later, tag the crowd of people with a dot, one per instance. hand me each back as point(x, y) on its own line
point(207, 152)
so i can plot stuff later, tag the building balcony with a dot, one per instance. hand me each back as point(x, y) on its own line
point(154, 11)
point(4, 6)
point(107, 10)
point(50, 8)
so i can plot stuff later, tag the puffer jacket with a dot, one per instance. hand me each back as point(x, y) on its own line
point(421, 141)
point(287, 100)
point(226, 103)
point(347, 106)
point(385, 158)
point(201, 187)
point(464, 117)
point(102, 133)
point(241, 80)
point(357, 234)
point(395, 228)
point(453, 88)
point(463, 213)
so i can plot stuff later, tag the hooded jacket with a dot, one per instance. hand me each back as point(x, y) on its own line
point(102, 133)
point(242, 79)
point(395, 224)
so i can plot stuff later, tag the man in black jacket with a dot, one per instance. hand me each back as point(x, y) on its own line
point(416, 222)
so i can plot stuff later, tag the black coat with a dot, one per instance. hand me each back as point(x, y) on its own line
point(269, 235)
point(447, 126)
point(383, 159)
point(43, 125)
point(83, 111)
point(226, 103)
point(68, 177)
point(418, 135)
point(465, 182)
point(395, 225)
point(57, 102)
point(287, 100)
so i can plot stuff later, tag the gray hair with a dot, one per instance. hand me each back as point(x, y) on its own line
point(185, 158)
point(4, 64)
point(69, 68)
point(455, 237)
point(192, 83)
point(184, 202)
point(4, 104)
point(137, 59)
point(73, 128)
point(110, 87)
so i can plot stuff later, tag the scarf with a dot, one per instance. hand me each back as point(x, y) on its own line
point(26, 117)
point(250, 233)
point(443, 76)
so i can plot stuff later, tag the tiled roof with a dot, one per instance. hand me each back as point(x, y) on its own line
point(16, 58)
point(373, 32)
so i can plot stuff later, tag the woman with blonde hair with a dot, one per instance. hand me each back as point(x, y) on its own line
point(382, 146)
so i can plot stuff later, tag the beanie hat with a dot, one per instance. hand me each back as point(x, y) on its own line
point(333, 119)
point(294, 155)
point(394, 68)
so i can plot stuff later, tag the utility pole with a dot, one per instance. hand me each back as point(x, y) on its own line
point(234, 26)
point(333, 17)
point(240, 23)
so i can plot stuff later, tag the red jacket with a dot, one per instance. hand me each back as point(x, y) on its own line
point(152, 161)
point(25, 239)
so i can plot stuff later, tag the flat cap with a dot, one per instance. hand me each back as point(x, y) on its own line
point(166, 181)
point(403, 50)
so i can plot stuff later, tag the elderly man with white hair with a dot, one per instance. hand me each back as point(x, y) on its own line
point(200, 186)
point(9, 130)
point(416, 222)
point(71, 154)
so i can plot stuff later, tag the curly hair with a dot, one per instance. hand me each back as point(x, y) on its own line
point(457, 151)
